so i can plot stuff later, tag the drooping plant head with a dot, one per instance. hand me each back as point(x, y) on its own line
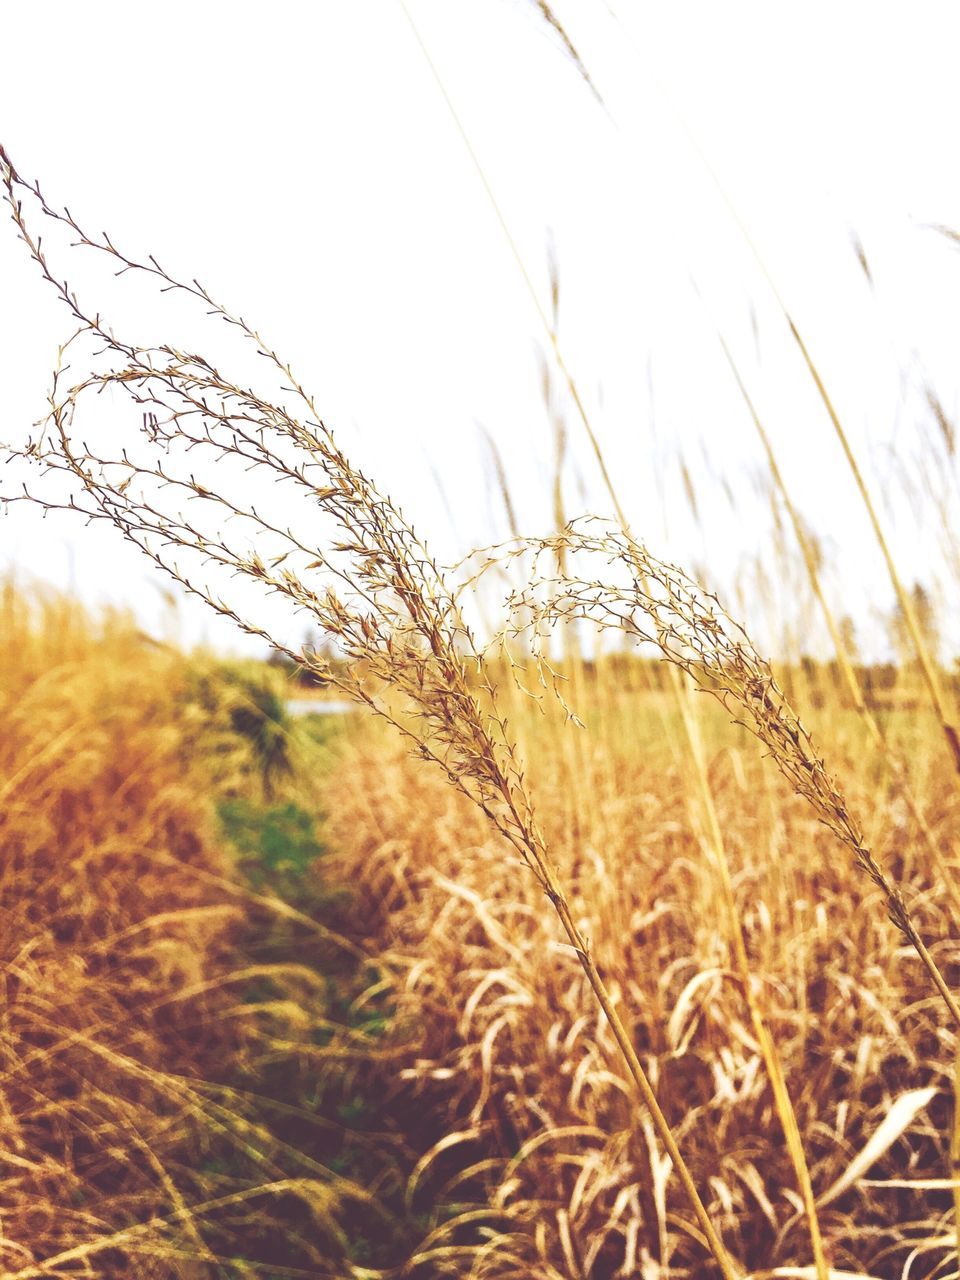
point(612, 581)
point(160, 441)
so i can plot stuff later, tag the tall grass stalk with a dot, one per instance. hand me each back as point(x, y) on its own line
point(925, 658)
point(879, 738)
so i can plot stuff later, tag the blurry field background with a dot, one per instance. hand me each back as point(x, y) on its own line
point(276, 1004)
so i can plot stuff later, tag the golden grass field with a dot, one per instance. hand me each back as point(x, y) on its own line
point(198, 1082)
point(541, 1111)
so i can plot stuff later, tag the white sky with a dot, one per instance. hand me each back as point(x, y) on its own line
point(300, 159)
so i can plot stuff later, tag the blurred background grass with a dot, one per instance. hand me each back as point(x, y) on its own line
point(276, 1002)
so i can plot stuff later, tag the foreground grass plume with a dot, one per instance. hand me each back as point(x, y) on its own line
point(376, 592)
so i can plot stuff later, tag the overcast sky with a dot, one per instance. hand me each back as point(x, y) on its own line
point(301, 159)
